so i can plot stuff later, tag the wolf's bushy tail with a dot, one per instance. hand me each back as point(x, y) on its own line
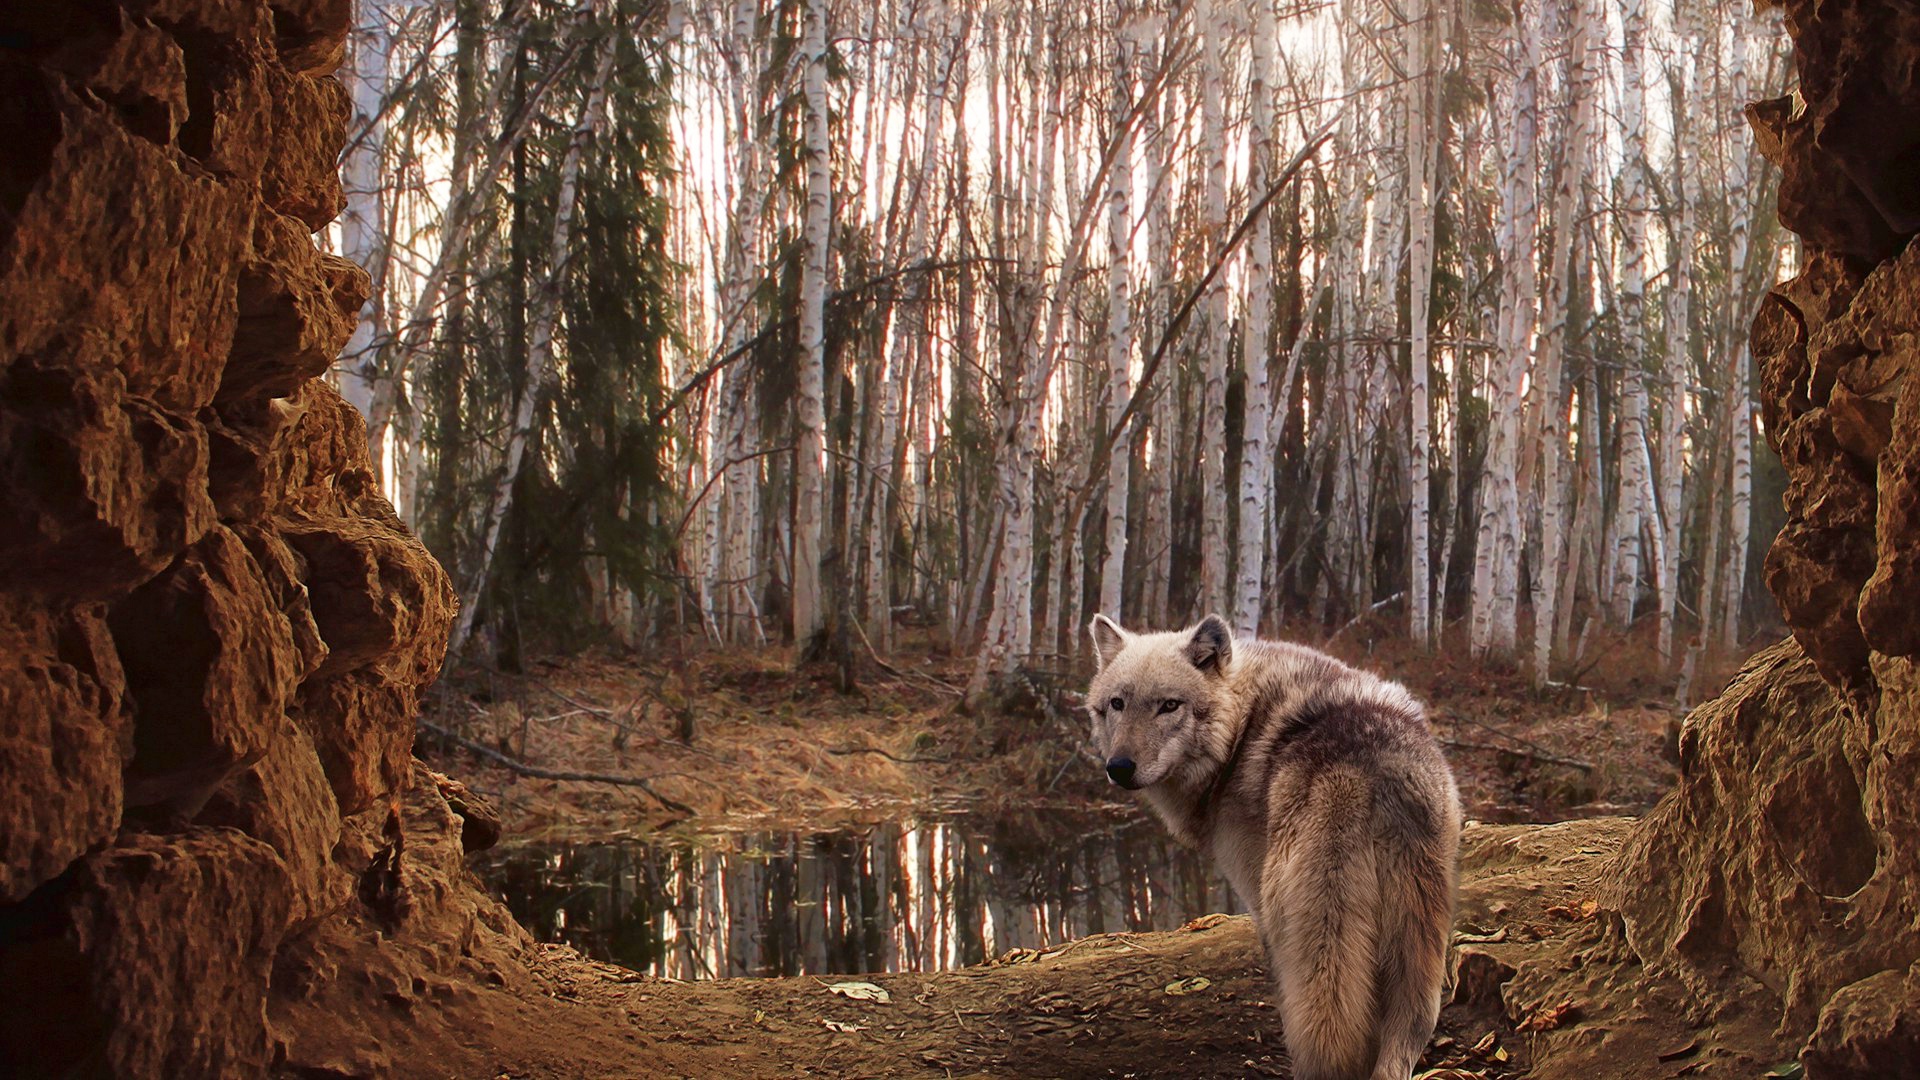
point(1360, 948)
point(1325, 888)
point(1416, 915)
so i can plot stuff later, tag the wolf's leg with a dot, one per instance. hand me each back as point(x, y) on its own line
point(1416, 868)
point(1322, 892)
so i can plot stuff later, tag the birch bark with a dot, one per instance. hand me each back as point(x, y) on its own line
point(811, 443)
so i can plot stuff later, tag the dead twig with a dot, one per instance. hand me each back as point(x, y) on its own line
point(1536, 755)
point(514, 764)
point(1538, 752)
point(904, 676)
point(1356, 620)
point(847, 751)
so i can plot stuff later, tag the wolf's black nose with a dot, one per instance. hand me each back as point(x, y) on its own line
point(1120, 771)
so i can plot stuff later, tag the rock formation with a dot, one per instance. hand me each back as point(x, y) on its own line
point(1790, 855)
point(213, 630)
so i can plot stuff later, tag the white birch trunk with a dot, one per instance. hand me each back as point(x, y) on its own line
point(363, 222)
point(810, 449)
point(1155, 555)
point(1421, 165)
point(1215, 553)
point(1256, 453)
point(1636, 467)
point(1553, 343)
point(1672, 463)
point(1497, 560)
point(1119, 341)
point(1739, 394)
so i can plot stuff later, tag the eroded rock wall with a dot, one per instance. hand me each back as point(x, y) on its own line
point(1791, 852)
point(213, 630)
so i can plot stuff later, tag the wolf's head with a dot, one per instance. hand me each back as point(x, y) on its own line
point(1154, 698)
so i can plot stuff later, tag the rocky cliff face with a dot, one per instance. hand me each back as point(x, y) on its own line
point(213, 630)
point(1791, 853)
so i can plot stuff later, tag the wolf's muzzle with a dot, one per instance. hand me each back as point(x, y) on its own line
point(1120, 771)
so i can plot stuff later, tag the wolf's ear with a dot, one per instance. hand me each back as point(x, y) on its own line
point(1108, 640)
point(1211, 647)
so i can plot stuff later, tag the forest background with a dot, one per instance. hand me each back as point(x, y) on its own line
point(838, 324)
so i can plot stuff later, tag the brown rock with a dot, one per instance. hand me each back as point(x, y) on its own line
point(64, 736)
point(283, 800)
point(1479, 978)
point(362, 727)
point(297, 308)
point(213, 630)
point(210, 663)
point(311, 34)
point(102, 489)
point(152, 962)
point(1890, 599)
point(1869, 1029)
point(479, 821)
point(102, 276)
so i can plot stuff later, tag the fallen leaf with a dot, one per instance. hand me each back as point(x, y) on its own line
point(759, 1016)
point(1485, 1044)
point(844, 1029)
point(1589, 909)
point(1481, 938)
point(1549, 1017)
point(1190, 985)
point(1450, 1073)
point(1792, 1070)
point(1205, 922)
point(861, 991)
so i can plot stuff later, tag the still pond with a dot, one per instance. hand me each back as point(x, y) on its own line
point(910, 896)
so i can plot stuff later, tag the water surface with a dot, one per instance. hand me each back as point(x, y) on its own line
point(910, 896)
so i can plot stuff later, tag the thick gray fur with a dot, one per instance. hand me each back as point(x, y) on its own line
point(1322, 795)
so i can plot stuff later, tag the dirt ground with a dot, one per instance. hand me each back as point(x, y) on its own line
point(1544, 983)
point(770, 747)
point(1543, 988)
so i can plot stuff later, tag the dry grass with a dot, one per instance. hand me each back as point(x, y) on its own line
point(773, 747)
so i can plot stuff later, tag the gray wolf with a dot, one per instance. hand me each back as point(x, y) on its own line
point(1322, 795)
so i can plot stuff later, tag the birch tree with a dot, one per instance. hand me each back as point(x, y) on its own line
point(1497, 556)
point(1256, 459)
point(810, 446)
point(1421, 166)
point(1569, 183)
point(1215, 549)
point(1119, 326)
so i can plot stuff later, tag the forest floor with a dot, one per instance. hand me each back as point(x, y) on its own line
point(772, 748)
point(1544, 987)
point(1544, 984)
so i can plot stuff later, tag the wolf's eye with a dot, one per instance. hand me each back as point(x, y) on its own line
point(1117, 705)
point(1169, 705)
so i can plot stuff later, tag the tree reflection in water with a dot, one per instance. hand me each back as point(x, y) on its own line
point(914, 896)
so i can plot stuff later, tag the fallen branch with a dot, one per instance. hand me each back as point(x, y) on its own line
point(515, 765)
point(904, 676)
point(848, 751)
point(1536, 755)
point(1540, 753)
point(1356, 620)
